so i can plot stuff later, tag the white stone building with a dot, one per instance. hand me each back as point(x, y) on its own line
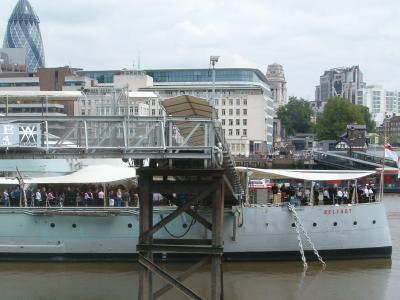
point(243, 102)
point(276, 79)
point(380, 101)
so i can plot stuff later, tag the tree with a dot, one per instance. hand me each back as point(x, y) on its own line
point(338, 113)
point(296, 116)
point(371, 125)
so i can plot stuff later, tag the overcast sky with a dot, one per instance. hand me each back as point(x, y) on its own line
point(305, 36)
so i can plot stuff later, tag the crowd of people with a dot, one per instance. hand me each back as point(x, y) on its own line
point(328, 195)
point(47, 196)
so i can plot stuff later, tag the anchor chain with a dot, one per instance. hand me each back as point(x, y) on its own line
point(299, 224)
point(303, 257)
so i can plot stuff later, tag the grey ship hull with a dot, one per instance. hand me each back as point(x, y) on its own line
point(262, 233)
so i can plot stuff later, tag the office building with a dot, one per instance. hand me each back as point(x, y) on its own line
point(346, 82)
point(243, 102)
point(23, 32)
point(380, 101)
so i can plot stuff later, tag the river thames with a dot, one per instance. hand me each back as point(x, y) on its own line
point(356, 279)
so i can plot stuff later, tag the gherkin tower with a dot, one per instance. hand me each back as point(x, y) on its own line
point(23, 32)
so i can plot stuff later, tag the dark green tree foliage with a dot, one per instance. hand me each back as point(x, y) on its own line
point(371, 125)
point(296, 116)
point(338, 113)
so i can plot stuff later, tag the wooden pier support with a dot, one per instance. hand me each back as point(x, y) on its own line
point(207, 189)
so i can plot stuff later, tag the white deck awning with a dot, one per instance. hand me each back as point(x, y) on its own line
point(86, 175)
point(51, 95)
point(310, 175)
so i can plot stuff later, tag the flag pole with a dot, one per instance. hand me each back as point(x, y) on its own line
point(384, 156)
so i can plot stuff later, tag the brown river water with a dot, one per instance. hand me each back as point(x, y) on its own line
point(357, 279)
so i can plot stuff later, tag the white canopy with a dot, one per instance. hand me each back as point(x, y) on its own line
point(310, 175)
point(89, 174)
point(58, 95)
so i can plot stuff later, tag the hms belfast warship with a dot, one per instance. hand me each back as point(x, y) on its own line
point(188, 138)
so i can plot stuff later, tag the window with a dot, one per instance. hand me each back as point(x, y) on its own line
point(237, 122)
point(216, 101)
point(223, 102)
point(223, 112)
point(244, 101)
point(231, 112)
point(223, 122)
point(230, 102)
point(223, 130)
point(238, 111)
point(230, 131)
point(245, 111)
point(230, 122)
point(237, 101)
point(136, 110)
point(153, 112)
point(237, 131)
point(153, 102)
point(245, 132)
point(245, 122)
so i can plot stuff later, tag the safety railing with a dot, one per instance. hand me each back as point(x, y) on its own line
point(82, 134)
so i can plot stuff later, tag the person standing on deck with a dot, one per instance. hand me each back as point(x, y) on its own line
point(111, 198)
point(69, 197)
point(340, 196)
point(6, 199)
point(38, 198)
point(125, 198)
point(371, 194)
point(101, 195)
point(366, 193)
point(326, 196)
point(118, 199)
point(316, 195)
point(345, 196)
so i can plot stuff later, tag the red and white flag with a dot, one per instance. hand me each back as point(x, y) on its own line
point(391, 154)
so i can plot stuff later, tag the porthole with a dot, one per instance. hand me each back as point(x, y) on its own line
point(184, 225)
point(335, 224)
point(314, 224)
point(130, 225)
point(52, 225)
point(293, 225)
point(373, 222)
point(74, 225)
point(355, 223)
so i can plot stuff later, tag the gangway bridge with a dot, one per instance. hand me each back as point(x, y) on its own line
point(354, 161)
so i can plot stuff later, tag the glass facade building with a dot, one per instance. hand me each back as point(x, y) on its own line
point(103, 76)
point(205, 75)
point(23, 32)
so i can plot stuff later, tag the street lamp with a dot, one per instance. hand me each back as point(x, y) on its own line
point(213, 60)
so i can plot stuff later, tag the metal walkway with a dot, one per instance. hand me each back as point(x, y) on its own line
point(357, 161)
point(168, 141)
